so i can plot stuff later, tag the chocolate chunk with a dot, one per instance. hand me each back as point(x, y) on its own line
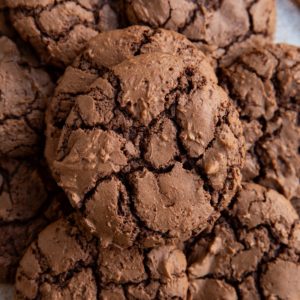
point(252, 252)
point(220, 28)
point(59, 30)
point(24, 91)
point(64, 262)
point(29, 200)
point(265, 86)
point(102, 159)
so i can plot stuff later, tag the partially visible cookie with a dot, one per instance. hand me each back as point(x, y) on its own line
point(28, 202)
point(64, 263)
point(265, 85)
point(25, 89)
point(220, 28)
point(252, 253)
point(243, 255)
point(59, 30)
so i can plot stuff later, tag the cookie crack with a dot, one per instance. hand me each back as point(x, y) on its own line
point(189, 21)
point(140, 223)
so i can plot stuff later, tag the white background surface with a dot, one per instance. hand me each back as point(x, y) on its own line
point(288, 31)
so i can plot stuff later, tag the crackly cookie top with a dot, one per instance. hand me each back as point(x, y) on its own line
point(59, 30)
point(24, 92)
point(151, 152)
point(102, 52)
point(252, 252)
point(27, 202)
point(242, 256)
point(220, 28)
point(65, 263)
point(265, 85)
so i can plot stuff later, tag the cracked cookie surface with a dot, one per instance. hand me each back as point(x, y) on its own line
point(253, 242)
point(220, 28)
point(265, 85)
point(102, 52)
point(252, 252)
point(24, 91)
point(65, 263)
point(59, 30)
point(110, 158)
point(27, 204)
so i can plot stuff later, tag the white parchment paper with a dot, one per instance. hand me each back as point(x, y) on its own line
point(288, 31)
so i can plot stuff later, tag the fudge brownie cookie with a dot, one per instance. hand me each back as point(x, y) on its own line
point(104, 51)
point(220, 28)
point(252, 253)
point(27, 203)
point(65, 263)
point(265, 84)
point(24, 91)
point(152, 152)
point(59, 30)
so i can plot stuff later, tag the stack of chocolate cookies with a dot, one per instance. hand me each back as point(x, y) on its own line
point(148, 150)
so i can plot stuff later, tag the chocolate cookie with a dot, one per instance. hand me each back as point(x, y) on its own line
point(265, 86)
point(151, 152)
point(59, 30)
point(252, 253)
point(27, 204)
point(24, 91)
point(104, 51)
point(64, 263)
point(220, 28)
point(241, 258)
